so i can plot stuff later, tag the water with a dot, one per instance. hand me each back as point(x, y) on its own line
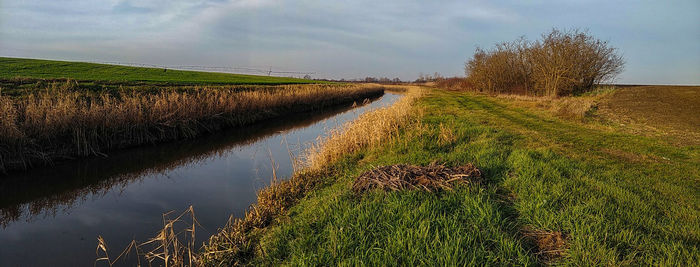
point(52, 216)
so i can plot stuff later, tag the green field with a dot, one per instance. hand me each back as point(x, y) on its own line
point(13, 68)
point(617, 198)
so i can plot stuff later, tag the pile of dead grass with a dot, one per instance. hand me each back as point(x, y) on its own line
point(431, 178)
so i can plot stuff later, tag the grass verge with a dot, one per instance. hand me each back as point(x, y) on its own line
point(554, 192)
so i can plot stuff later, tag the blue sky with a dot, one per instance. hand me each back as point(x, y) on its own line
point(660, 40)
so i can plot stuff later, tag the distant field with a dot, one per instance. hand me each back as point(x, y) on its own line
point(672, 111)
point(12, 68)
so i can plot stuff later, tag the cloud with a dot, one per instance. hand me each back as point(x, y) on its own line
point(339, 38)
point(125, 7)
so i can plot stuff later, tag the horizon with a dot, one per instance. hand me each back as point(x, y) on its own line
point(345, 41)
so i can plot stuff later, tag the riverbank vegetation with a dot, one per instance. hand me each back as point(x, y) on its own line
point(553, 192)
point(60, 121)
point(238, 240)
point(549, 191)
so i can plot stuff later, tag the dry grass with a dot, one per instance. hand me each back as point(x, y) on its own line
point(571, 107)
point(446, 135)
point(431, 178)
point(166, 247)
point(59, 122)
point(369, 130)
point(235, 243)
point(550, 246)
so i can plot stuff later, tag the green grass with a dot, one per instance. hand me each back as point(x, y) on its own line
point(621, 199)
point(11, 68)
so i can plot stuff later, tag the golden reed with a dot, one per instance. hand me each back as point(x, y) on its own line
point(60, 123)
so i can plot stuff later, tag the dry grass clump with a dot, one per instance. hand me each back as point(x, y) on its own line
point(431, 178)
point(446, 135)
point(550, 246)
point(59, 123)
point(369, 130)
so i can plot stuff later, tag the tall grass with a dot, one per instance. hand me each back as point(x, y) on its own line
point(370, 129)
point(59, 122)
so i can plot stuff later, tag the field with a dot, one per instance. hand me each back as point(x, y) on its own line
point(670, 112)
point(19, 73)
point(51, 69)
point(555, 190)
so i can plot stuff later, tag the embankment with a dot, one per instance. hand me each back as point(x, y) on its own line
point(236, 242)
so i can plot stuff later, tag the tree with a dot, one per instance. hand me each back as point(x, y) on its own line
point(562, 63)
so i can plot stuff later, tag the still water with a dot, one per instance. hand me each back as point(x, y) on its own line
point(52, 216)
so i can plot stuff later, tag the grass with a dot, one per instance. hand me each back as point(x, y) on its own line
point(15, 70)
point(615, 198)
point(62, 122)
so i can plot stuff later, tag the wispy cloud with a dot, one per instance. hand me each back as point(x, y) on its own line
point(342, 38)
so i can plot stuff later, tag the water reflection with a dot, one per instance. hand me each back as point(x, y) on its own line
point(53, 215)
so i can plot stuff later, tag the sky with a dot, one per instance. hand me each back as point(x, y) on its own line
point(660, 40)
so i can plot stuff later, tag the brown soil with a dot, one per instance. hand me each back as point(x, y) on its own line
point(431, 178)
point(657, 110)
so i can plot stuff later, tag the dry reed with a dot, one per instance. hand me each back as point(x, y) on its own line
point(369, 130)
point(60, 123)
point(166, 247)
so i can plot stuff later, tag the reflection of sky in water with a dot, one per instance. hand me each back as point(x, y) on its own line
point(217, 185)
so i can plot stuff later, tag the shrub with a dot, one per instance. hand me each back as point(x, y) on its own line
point(562, 63)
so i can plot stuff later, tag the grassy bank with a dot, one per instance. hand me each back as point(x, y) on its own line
point(613, 198)
point(60, 122)
point(238, 240)
point(15, 70)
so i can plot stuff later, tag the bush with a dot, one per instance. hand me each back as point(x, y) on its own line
point(562, 63)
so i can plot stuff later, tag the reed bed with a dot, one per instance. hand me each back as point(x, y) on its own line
point(61, 123)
